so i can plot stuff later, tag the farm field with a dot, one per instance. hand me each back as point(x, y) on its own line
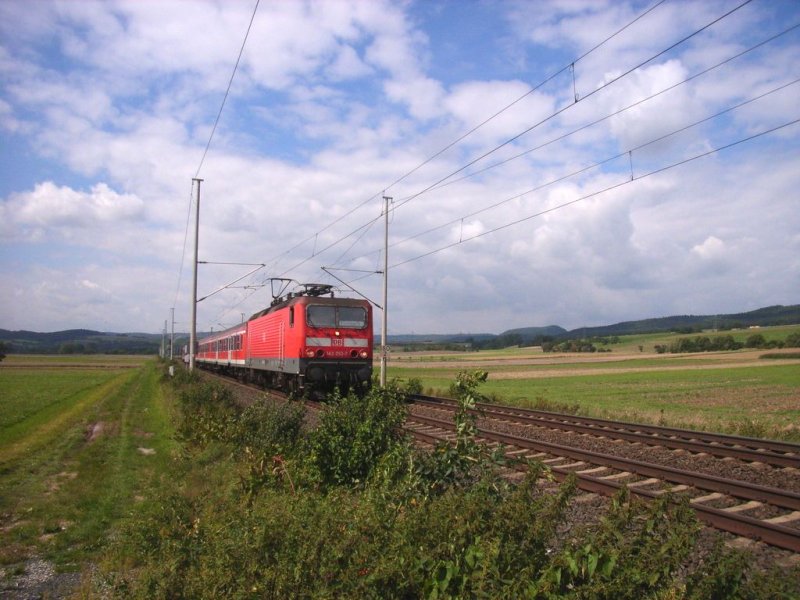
point(736, 392)
point(79, 448)
point(82, 361)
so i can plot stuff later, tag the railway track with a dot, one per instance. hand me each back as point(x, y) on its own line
point(763, 513)
point(771, 452)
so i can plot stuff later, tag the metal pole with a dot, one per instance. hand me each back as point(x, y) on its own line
point(163, 352)
point(385, 287)
point(193, 335)
point(172, 334)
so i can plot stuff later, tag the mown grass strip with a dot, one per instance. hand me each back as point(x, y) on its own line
point(35, 396)
point(24, 437)
point(62, 500)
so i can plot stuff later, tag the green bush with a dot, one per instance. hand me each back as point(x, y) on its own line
point(354, 433)
point(792, 340)
point(269, 429)
point(208, 411)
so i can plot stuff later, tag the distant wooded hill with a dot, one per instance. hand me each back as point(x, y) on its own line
point(86, 341)
point(81, 341)
point(770, 315)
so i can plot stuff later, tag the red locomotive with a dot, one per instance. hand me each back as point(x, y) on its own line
point(303, 341)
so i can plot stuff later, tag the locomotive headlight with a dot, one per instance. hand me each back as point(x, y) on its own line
point(310, 353)
point(364, 354)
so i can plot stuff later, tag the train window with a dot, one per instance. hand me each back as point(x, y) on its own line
point(291, 316)
point(354, 317)
point(321, 316)
point(351, 317)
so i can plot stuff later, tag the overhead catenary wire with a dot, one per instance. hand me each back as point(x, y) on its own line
point(545, 81)
point(578, 172)
point(208, 146)
point(621, 110)
point(558, 112)
point(228, 90)
point(596, 90)
point(609, 159)
point(450, 145)
point(602, 191)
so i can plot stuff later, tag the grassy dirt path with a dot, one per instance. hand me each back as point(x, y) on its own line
point(67, 482)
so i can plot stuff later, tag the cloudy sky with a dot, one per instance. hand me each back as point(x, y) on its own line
point(574, 162)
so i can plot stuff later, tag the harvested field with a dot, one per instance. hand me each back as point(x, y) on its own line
point(724, 391)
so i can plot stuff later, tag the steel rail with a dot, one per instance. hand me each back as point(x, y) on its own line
point(652, 435)
point(722, 438)
point(770, 533)
point(732, 487)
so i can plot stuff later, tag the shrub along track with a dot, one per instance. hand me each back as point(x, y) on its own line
point(742, 496)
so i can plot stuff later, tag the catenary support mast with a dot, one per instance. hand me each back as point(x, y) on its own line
point(193, 335)
point(386, 200)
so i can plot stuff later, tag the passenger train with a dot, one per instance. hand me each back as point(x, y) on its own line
point(306, 341)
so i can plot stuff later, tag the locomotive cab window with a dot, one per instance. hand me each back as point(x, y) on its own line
point(349, 317)
point(321, 316)
point(353, 317)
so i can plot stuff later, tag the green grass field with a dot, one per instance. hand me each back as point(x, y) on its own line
point(80, 448)
point(726, 391)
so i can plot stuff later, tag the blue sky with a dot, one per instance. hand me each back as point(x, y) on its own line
point(106, 108)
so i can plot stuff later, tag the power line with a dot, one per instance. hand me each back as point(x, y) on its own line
point(597, 121)
point(208, 145)
point(365, 227)
point(599, 192)
point(620, 111)
point(568, 106)
point(183, 252)
point(228, 90)
point(456, 141)
point(525, 131)
point(525, 95)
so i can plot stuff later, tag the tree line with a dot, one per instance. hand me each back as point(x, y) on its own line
point(704, 343)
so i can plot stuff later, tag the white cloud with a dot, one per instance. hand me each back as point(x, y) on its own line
point(90, 284)
point(711, 249)
point(348, 65)
point(51, 207)
point(473, 102)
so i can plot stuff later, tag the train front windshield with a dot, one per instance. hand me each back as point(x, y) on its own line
point(345, 317)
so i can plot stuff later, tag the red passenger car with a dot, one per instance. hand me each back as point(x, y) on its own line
point(303, 341)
